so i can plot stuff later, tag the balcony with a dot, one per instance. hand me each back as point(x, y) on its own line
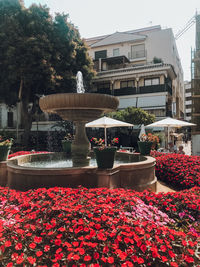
point(125, 91)
point(155, 89)
point(141, 90)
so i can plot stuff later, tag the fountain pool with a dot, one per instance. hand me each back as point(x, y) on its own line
point(129, 171)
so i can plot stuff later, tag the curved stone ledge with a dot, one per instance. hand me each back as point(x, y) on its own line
point(134, 175)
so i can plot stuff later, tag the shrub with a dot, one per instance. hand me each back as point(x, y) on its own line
point(181, 171)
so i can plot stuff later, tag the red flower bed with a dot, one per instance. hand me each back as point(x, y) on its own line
point(183, 207)
point(20, 153)
point(94, 227)
point(181, 171)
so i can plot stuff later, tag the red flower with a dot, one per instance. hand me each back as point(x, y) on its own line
point(110, 260)
point(32, 245)
point(87, 258)
point(46, 248)
point(76, 257)
point(189, 259)
point(171, 254)
point(37, 239)
point(39, 253)
point(31, 260)
point(96, 256)
point(8, 244)
point(18, 246)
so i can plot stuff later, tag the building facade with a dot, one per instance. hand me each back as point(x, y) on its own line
point(141, 67)
point(188, 101)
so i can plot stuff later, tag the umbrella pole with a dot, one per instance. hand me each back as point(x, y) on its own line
point(167, 135)
point(105, 135)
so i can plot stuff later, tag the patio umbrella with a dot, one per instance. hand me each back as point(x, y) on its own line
point(106, 122)
point(170, 122)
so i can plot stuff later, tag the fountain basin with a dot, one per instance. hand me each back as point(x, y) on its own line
point(79, 107)
point(137, 173)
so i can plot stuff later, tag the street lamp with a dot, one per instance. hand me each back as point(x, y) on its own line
point(112, 83)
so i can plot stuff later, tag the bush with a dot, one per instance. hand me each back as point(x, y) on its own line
point(181, 171)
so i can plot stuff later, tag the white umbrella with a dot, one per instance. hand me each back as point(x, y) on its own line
point(142, 131)
point(170, 122)
point(106, 122)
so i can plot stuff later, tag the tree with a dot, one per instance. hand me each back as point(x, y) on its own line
point(136, 116)
point(38, 55)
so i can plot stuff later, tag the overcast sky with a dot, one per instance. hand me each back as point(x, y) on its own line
point(94, 18)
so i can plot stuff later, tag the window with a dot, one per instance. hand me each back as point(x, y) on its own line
point(125, 84)
point(137, 51)
point(101, 54)
point(101, 86)
point(153, 81)
point(10, 119)
point(115, 52)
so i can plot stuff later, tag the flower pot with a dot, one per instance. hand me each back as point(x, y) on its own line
point(66, 146)
point(105, 157)
point(4, 152)
point(145, 147)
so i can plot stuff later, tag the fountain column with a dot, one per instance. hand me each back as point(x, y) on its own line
point(80, 146)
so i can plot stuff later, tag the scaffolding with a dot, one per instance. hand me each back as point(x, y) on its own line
point(195, 77)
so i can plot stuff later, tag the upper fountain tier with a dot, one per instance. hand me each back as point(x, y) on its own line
point(79, 107)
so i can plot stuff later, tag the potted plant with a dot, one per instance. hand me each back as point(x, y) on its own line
point(105, 155)
point(5, 146)
point(147, 142)
point(67, 142)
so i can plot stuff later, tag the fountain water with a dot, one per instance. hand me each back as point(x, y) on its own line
point(79, 83)
point(137, 172)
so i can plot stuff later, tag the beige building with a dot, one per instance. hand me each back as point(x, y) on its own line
point(142, 67)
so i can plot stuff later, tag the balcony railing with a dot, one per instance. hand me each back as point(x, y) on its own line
point(141, 90)
point(155, 89)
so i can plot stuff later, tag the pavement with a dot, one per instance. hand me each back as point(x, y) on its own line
point(162, 187)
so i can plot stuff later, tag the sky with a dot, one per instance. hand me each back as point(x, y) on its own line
point(95, 18)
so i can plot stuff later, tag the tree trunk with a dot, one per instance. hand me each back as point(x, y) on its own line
point(27, 122)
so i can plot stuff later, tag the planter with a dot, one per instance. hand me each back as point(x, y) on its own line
point(4, 152)
point(105, 157)
point(145, 147)
point(66, 146)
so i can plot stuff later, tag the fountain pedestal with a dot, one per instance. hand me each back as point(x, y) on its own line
point(80, 146)
point(79, 108)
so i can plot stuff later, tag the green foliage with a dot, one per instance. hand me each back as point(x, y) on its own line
point(157, 60)
point(136, 116)
point(39, 54)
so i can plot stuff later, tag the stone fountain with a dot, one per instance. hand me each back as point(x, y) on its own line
point(130, 171)
point(80, 108)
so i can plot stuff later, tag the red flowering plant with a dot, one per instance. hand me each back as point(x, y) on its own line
point(150, 138)
point(183, 207)
point(21, 153)
point(94, 227)
point(181, 171)
point(5, 142)
point(101, 142)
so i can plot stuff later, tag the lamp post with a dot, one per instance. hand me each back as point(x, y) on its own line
point(112, 83)
point(137, 90)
